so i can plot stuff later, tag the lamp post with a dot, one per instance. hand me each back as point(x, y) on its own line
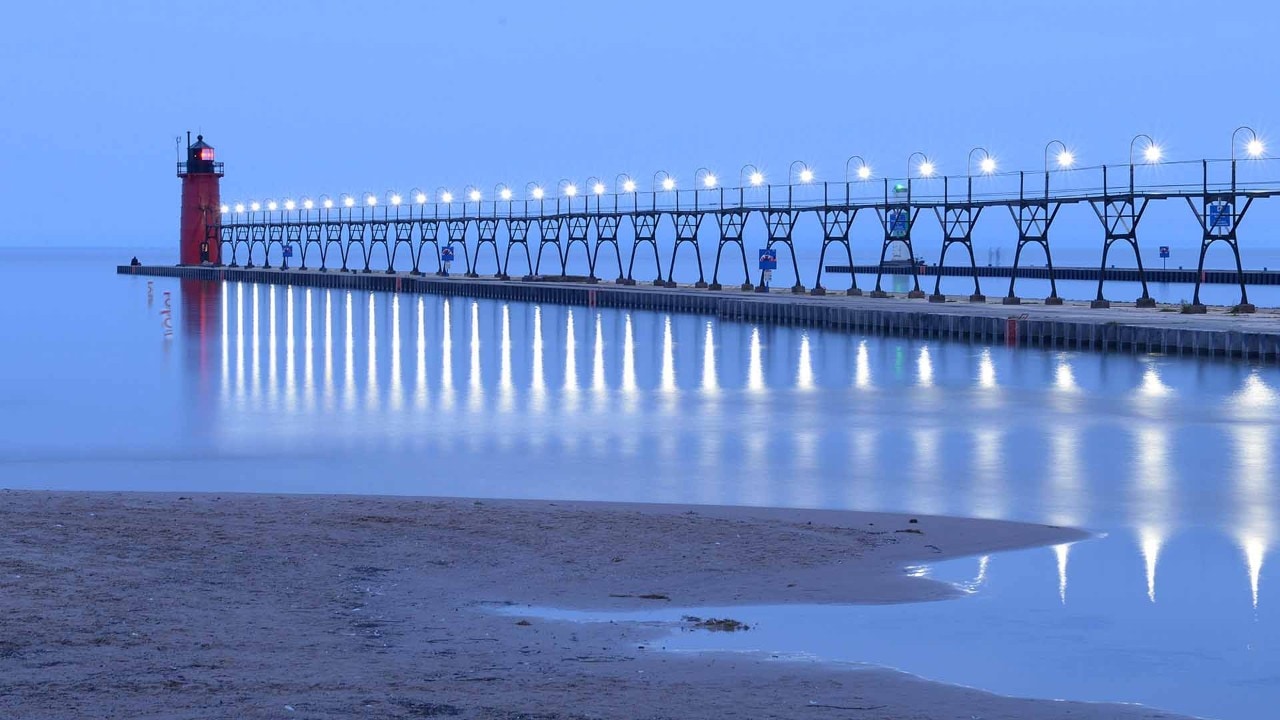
point(755, 177)
point(1254, 148)
point(1152, 152)
point(864, 173)
point(568, 190)
point(1065, 158)
point(703, 179)
point(622, 182)
point(805, 176)
point(668, 183)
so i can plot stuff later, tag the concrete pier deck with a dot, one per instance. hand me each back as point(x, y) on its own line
point(1120, 328)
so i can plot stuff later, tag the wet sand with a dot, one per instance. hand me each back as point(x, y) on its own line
point(128, 605)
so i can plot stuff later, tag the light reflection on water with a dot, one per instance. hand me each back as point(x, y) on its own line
point(296, 389)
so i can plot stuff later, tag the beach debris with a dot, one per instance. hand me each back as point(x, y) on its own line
point(524, 623)
point(816, 704)
point(913, 521)
point(289, 708)
point(715, 624)
point(910, 530)
point(646, 596)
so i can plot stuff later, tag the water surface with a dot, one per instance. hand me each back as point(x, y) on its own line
point(131, 383)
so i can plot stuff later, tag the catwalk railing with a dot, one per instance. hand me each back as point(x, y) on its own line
point(424, 237)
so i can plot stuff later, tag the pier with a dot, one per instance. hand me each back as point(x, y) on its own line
point(1068, 325)
point(616, 230)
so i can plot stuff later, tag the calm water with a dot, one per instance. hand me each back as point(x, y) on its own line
point(133, 383)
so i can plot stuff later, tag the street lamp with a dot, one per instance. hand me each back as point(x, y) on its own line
point(987, 164)
point(1254, 148)
point(668, 182)
point(707, 178)
point(756, 177)
point(1152, 152)
point(864, 170)
point(925, 168)
point(805, 175)
point(1065, 158)
point(444, 195)
point(501, 190)
point(473, 193)
point(627, 184)
point(533, 190)
point(596, 186)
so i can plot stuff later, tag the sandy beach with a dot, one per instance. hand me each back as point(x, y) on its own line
point(122, 605)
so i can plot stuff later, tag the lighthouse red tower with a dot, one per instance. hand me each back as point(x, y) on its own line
point(201, 203)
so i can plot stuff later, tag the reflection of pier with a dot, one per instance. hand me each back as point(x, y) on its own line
point(336, 365)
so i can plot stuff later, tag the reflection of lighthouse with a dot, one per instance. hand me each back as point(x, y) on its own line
point(204, 331)
point(200, 203)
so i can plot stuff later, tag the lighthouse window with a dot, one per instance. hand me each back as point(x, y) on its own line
point(206, 154)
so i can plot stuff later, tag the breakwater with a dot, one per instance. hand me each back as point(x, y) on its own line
point(1219, 333)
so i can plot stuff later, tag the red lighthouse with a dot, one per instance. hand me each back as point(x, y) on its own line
point(201, 203)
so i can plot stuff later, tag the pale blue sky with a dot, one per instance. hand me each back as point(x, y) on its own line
point(313, 97)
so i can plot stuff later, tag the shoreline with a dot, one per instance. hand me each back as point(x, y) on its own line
point(150, 605)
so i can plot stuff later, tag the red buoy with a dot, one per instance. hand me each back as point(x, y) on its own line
point(201, 204)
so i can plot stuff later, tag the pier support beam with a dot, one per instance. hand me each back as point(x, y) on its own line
point(780, 224)
point(355, 236)
point(428, 234)
point(1120, 215)
point(836, 223)
point(517, 234)
point(731, 223)
point(549, 234)
point(378, 236)
point(1219, 215)
point(687, 224)
point(645, 225)
point(897, 219)
point(332, 236)
point(292, 238)
point(607, 233)
point(312, 231)
point(404, 236)
point(579, 227)
point(957, 220)
point(257, 236)
point(487, 234)
point(1033, 216)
